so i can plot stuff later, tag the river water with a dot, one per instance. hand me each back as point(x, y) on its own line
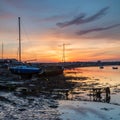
point(37, 99)
point(95, 78)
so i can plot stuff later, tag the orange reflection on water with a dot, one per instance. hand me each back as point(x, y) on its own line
point(104, 76)
point(87, 78)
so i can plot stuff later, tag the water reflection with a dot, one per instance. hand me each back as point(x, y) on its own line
point(95, 79)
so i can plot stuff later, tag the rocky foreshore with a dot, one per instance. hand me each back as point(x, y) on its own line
point(28, 98)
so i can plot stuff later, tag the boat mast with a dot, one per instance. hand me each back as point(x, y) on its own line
point(19, 39)
point(2, 50)
point(63, 53)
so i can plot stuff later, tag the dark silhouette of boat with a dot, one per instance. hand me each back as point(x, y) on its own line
point(114, 67)
point(52, 70)
point(101, 67)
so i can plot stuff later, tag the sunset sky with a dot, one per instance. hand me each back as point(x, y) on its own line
point(90, 29)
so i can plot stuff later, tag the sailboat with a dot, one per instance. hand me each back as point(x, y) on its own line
point(24, 69)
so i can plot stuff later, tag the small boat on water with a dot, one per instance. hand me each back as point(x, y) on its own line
point(114, 67)
point(25, 70)
point(101, 67)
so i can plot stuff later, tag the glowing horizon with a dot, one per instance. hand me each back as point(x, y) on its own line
point(90, 30)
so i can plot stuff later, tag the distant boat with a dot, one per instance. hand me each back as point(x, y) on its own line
point(101, 67)
point(114, 67)
point(25, 70)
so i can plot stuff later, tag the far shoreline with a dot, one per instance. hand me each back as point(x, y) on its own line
point(70, 65)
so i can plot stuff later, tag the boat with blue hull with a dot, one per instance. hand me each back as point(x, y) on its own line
point(25, 70)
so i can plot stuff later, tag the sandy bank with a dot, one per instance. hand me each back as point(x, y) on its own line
point(82, 110)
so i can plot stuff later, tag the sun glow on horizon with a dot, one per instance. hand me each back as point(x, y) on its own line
point(73, 52)
point(90, 34)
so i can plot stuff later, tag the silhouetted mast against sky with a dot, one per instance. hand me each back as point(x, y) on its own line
point(19, 39)
point(2, 50)
point(63, 59)
point(64, 52)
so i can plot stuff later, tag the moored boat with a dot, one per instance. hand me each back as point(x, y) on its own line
point(101, 67)
point(25, 70)
point(114, 67)
point(52, 70)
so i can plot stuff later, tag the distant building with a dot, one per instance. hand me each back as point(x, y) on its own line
point(2, 61)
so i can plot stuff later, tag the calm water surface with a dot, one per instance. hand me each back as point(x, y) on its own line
point(96, 78)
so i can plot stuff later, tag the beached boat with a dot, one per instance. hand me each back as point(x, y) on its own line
point(52, 70)
point(25, 70)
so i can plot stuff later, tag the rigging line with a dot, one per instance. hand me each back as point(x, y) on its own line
point(2, 50)
point(26, 34)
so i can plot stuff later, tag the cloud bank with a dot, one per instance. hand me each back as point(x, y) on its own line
point(81, 18)
point(82, 32)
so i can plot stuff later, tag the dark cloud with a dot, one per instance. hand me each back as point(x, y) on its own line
point(97, 29)
point(76, 20)
point(81, 18)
